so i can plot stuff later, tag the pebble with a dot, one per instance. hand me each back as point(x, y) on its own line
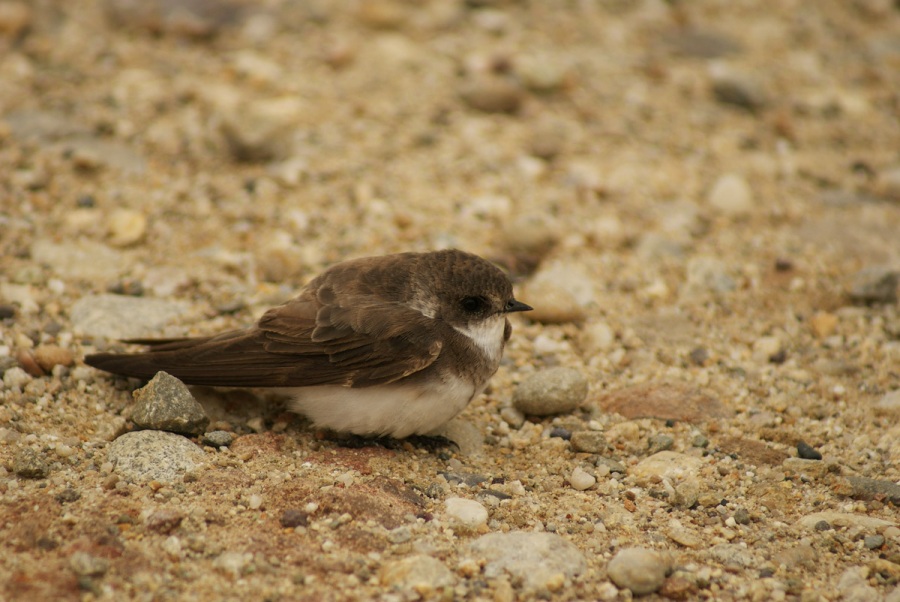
point(512, 416)
point(854, 587)
point(560, 293)
point(466, 514)
point(591, 442)
point(126, 227)
point(492, 93)
point(551, 391)
point(292, 518)
point(536, 559)
point(887, 184)
point(87, 565)
point(30, 464)
point(639, 570)
point(581, 480)
point(664, 401)
point(532, 234)
point(660, 442)
point(15, 378)
point(875, 285)
point(873, 542)
point(166, 404)
point(196, 19)
point(144, 456)
point(738, 89)
point(807, 452)
point(823, 324)
point(844, 519)
point(218, 438)
point(733, 555)
point(707, 274)
point(889, 404)
point(48, 356)
point(731, 195)
point(233, 563)
point(164, 520)
point(866, 488)
point(261, 130)
point(597, 337)
point(420, 573)
point(78, 260)
point(679, 469)
point(15, 18)
point(541, 73)
point(123, 317)
point(700, 43)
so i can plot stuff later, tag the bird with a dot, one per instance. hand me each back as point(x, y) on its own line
point(386, 346)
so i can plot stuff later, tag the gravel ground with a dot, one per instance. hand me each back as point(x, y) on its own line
point(700, 199)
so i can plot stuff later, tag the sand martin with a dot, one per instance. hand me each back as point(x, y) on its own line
point(394, 345)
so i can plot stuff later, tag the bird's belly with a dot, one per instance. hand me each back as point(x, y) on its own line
point(395, 410)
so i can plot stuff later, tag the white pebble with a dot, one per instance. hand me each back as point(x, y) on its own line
point(581, 480)
point(731, 195)
point(16, 378)
point(464, 513)
point(255, 501)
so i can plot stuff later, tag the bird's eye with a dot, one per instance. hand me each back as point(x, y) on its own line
point(472, 305)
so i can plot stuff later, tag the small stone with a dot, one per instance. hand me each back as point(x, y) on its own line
point(551, 391)
point(86, 565)
point(581, 480)
point(218, 438)
point(15, 378)
point(528, 233)
point(48, 356)
point(292, 518)
point(466, 514)
point(512, 417)
point(166, 404)
point(807, 452)
point(731, 195)
point(164, 520)
point(233, 563)
point(707, 275)
point(660, 442)
point(888, 404)
point(123, 317)
point(664, 401)
point(873, 542)
point(854, 587)
point(29, 464)
point(15, 18)
point(742, 516)
point(535, 559)
point(420, 573)
point(738, 89)
point(639, 570)
point(493, 94)
point(261, 130)
point(665, 465)
point(145, 456)
point(26, 360)
point(700, 43)
point(126, 227)
point(844, 519)
point(591, 442)
point(866, 488)
point(875, 285)
point(541, 73)
point(560, 292)
point(823, 324)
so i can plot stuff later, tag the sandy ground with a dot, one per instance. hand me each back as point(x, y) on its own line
point(700, 199)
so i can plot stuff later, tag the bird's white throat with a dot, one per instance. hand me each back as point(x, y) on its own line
point(487, 335)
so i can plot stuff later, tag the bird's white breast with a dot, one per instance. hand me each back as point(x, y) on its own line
point(395, 410)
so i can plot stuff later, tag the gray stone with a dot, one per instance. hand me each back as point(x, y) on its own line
point(121, 317)
point(875, 285)
point(144, 456)
point(592, 442)
point(866, 488)
point(534, 559)
point(734, 555)
point(551, 391)
point(81, 259)
point(166, 404)
point(30, 464)
point(86, 565)
point(218, 438)
point(640, 570)
point(844, 519)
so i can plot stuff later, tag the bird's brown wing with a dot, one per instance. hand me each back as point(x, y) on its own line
point(346, 339)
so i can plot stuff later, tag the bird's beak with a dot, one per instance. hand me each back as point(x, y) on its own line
point(517, 306)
